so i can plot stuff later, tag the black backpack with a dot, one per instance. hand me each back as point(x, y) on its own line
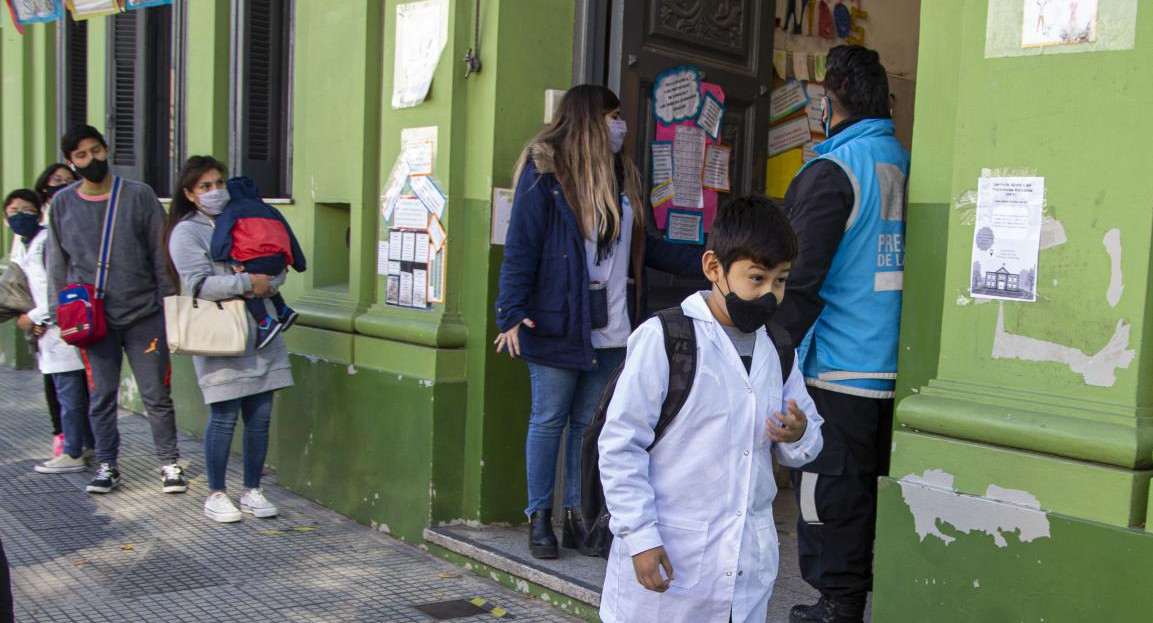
point(681, 349)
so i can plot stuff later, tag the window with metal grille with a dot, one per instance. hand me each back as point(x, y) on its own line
point(261, 95)
point(142, 110)
point(72, 73)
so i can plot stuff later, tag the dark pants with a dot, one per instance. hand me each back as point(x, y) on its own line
point(53, 404)
point(6, 614)
point(271, 265)
point(837, 493)
point(146, 346)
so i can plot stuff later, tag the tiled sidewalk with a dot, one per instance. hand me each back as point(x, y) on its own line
point(138, 555)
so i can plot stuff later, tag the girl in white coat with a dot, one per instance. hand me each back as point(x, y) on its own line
point(693, 516)
point(22, 210)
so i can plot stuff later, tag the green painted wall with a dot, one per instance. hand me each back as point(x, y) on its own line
point(1000, 435)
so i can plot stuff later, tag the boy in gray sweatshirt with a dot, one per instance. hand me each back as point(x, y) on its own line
point(137, 282)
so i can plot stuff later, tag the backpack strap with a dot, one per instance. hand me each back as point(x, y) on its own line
point(785, 350)
point(107, 234)
point(681, 349)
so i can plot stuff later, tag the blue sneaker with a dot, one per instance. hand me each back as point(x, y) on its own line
point(266, 330)
point(288, 317)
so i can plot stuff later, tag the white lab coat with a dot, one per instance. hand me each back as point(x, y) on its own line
point(705, 492)
point(54, 355)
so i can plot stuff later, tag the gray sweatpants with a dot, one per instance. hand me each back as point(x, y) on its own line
point(146, 347)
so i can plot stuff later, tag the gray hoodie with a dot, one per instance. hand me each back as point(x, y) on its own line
point(137, 269)
point(225, 378)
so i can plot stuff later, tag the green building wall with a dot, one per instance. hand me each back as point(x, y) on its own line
point(1019, 486)
point(399, 418)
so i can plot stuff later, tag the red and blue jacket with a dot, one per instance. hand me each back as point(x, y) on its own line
point(248, 228)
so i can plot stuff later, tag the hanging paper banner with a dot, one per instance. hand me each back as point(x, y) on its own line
point(421, 34)
point(87, 9)
point(143, 4)
point(26, 12)
point(668, 133)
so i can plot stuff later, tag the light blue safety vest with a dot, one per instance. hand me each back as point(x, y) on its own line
point(852, 347)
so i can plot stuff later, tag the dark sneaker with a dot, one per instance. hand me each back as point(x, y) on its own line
point(287, 318)
point(830, 610)
point(107, 478)
point(173, 478)
point(266, 330)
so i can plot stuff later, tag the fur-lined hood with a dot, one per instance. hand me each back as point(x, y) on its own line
point(543, 157)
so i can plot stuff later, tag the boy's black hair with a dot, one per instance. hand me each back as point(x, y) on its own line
point(857, 82)
point(26, 194)
point(71, 140)
point(752, 227)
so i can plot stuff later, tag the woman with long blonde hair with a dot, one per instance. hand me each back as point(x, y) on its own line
point(576, 237)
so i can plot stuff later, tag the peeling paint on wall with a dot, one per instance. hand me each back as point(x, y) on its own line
point(933, 500)
point(1116, 284)
point(1052, 233)
point(1098, 369)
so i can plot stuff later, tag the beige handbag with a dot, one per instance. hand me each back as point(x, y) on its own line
point(211, 328)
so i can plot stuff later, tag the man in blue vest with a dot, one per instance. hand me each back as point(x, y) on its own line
point(844, 307)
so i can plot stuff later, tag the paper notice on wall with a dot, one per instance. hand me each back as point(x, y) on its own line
point(501, 214)
point(408, 247)
point(421, 34)
point(688, 159)
point(395, 244)
point(685, 227)
point(436, 275)
point(420, 253)
point(429, 193)
point(712, 112)
point(1058, 22)
point(392, 290)
point(436, 233)
point(662, 162)
point(789, 135)
point(382, 261)
point(677, 95)
point(662, 193)
point(405, 289)
point(786, 100)
point(410, 213)
point(813, 108)
point(420, 288)
point(26, 12)
point(87, 9)
point(716, 171)
point(418, 155)
point(1007, 238)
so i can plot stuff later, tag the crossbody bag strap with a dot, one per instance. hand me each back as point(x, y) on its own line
point(107, 234)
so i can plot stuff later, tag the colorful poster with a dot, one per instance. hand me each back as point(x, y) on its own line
point(667, 133)
point(1007, 238)
point(1059, 22)
point(144, 4)
point(26, 12)
point(786, 100)
point(677, 95)
point(685, 227)
point(87, 9)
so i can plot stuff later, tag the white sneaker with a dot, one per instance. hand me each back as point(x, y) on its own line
point(62, 464)
point(254, 503)
point(219, 508)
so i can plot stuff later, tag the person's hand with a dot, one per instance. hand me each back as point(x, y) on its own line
point(25, 324)
point(509, 339)
point(647, 565)
point(787, 428)
point(261, 285)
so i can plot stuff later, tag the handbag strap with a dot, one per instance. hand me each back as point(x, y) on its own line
point(107, 235)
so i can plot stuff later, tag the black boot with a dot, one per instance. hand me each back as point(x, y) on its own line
point(541, 538)
point(575, 533)
point(847, 609)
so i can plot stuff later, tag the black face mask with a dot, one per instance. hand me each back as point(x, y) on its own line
point(95, 172)
point(748, 316)
point(52, 190)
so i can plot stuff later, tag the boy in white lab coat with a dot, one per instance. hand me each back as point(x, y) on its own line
point(693, 516)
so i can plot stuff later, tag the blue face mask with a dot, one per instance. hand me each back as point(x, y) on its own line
point(25, 225)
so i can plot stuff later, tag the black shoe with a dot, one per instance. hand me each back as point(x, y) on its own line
point(541, 538)
point(575, 535)
point(288, 317)
point(267, 329)
point(849, 609)
point(107, 478)
point(173, 478)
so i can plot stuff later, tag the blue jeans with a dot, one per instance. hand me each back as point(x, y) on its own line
point(562, 397)
point(72, 394)
point(257, 412)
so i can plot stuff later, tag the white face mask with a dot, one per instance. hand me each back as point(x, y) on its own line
point(212, 202)
point(617, 131)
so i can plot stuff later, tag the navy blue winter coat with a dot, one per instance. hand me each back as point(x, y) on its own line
point(545, 276)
